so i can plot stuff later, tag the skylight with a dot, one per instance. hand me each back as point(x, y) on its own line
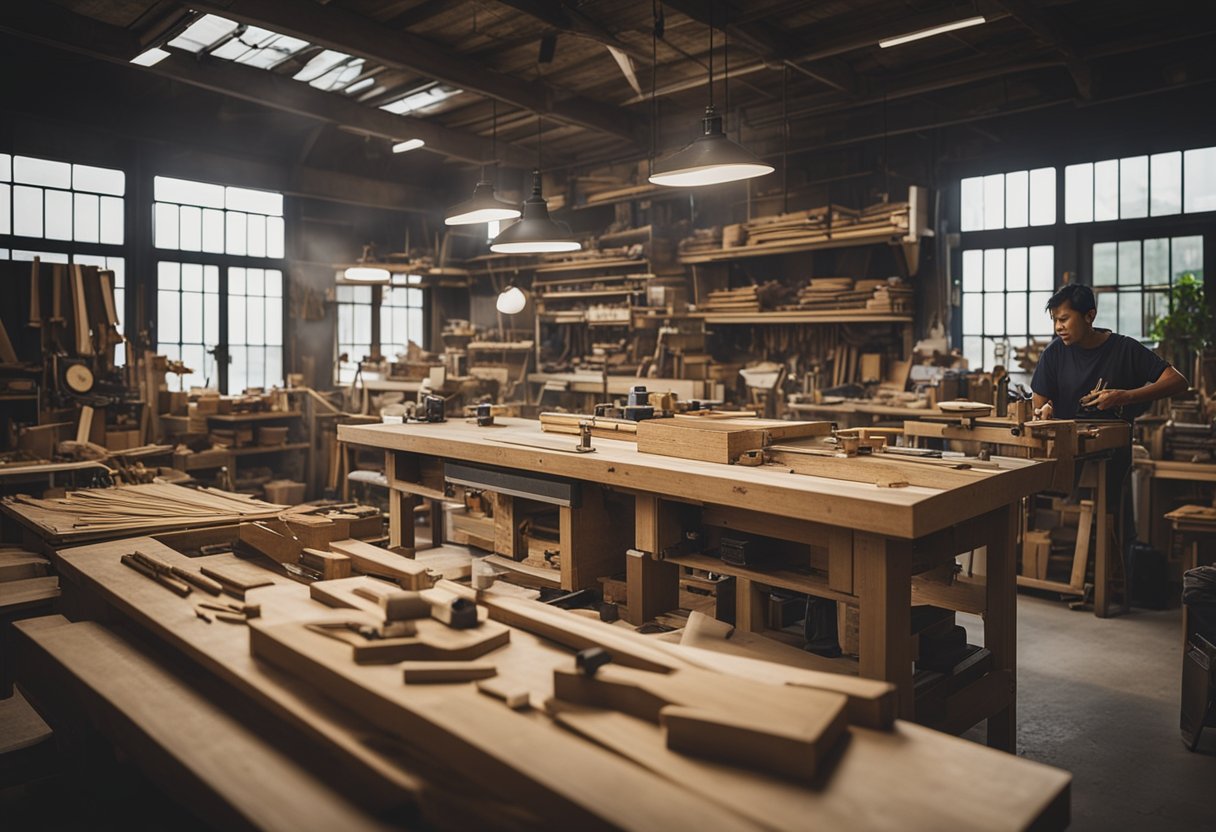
point(204, 32)
point(331, 71)
point(260, 48)
point(421, 99)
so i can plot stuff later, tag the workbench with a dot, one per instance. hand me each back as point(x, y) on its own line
point(866, 542)
point(247, 743)
point(1068, 442)
point(1171, 484)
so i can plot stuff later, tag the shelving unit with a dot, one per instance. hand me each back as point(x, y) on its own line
point(284, 458)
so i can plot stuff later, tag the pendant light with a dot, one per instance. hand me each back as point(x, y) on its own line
point(511, 301)
point(365, 270)
point(484, 205)
point(536, 232)
point(711, 158)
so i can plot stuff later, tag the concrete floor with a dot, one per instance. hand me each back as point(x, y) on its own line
point(1100, 698)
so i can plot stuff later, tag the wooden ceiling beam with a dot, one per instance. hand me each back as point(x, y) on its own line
point(48, 23)
point(571, 21)
point(1046, 30)
point(336, 28)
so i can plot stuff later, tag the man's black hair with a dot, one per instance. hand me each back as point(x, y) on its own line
point(1080, 298)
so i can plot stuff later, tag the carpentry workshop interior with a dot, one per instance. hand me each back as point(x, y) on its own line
point(608, 414)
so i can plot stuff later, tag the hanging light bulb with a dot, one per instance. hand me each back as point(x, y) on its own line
point(511, 301)
point(536, 232)
point(711, 158)
point(483, 206)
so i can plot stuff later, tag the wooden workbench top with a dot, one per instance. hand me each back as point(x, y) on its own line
point(907, 512)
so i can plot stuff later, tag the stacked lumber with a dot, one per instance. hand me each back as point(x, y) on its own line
point(702, 240)
point(890, 297)
point(140, 507)
point(799, 226)
point(602, 427)
point(767, 295)
point(832, 293)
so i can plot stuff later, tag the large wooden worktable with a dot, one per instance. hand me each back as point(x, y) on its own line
point(872, 539)
point(905, 778)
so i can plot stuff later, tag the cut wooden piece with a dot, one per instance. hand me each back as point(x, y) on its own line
point(313, 532)
point(188, 745)
point(167, 581)
point(331, 565)
point(515, 698)
point(84, 427)
point(396, 604)
point(16, 566)
point(852, 469)
point(644, 694)
point(199, 580)
point(515, 758)
point(753, 739)
point(235, 583)
point(364, 557)
point(416, 673)
point(272, 539)
point(718, 440)
point(15, 595)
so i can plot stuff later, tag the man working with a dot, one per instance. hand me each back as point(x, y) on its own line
point(1088, 373)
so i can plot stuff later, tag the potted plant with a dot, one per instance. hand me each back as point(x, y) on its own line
point(1188, 329)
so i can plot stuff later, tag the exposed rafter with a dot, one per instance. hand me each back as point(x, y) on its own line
point(1037, 22)
point(565, 18)
point(339, 29)
point(53, 25)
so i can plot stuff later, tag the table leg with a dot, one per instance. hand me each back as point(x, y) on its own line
point(885, 579)
point(1102, 548)
point(1001, 620)
point(653, 586)
point(401, 519)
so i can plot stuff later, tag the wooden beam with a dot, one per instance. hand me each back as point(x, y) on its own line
point(1046, 30)
point(338, 29)
point(61, 28)
point(572, 21)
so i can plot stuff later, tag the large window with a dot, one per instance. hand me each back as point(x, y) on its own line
point(400, 318)
point(220, 295)
point(354, 328)
point(397, 308)
point(1003, 298)
point(1132, 280)
point(1009, 200)
point(1141, 186)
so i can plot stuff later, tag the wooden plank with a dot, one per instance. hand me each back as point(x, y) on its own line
point(426, 673)
point(273, 539)
point(840, 559)
point(506, 528)
point(17, 566)
point(184, 742)
point(16, 595)
point(364, 557)
point(331, 565)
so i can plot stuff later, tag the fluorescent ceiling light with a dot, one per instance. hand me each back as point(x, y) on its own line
point(151, 57)
point(421, 99)
point(935, 30)
point(203, 32)
point(409, 144)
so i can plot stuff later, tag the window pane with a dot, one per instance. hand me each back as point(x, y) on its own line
point(1157, 262)
point(238, 379)
point(1107, 317)
point(274, 366)
point(98, 180)
point(1079, 193)
point(973, 270)
point(255, 282)
point(192, 315)
point(255, 320)
point(1017, 269)
point(257, 235)
point(1042, 268)
point(1129, 263)
point(84, 218)
point(1187, 256)
point(237, 233)
point(973, 351)
point(1156, 307)
point(168, 318)
point(164, 225)
point(42, 172)
point(192, 279)
point(58, 215)
point(1015, 313)
point(973, 313)
point(6, 167)
point(44, 256)
point(186, 192)
point(274, 321)
point(168, 275)
point(1017, 199)
point(236, 320)
point(1199, 180)
point(236, 281)
point(27, 211)
point(1131, 320)
point(211, 319)
point(989, 353)
point(274, 283)
point(1133, 187)
point(994, 270)
point(257, 202)
point(192, 228)
point(415, 326)
point(994, 201)
point(1040, 320)
point(994, 313)
point(1166, 174)
point(274, 237)
point(211, 278)
point(6, 209)
point(972, 204)
point(1106, 190)
point(112, 220)
point(213, 230)
point(1106, 264)
point(1043, 196)
point(363, 320)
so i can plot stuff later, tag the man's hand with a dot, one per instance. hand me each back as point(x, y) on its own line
point(1043, 412)
point(1109, 399)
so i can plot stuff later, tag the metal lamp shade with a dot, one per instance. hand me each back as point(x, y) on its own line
point(536, 232)
point(709, 159)
point(483, 206)
point(367, 274)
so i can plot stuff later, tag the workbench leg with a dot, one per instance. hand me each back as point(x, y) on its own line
point(437, 538)
point(1001, 620)
point(1102, 548)
point(653, 586)
point(884, 577)
point(401, 519)
point(750, 611)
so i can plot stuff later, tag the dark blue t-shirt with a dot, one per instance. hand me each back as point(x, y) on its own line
point(1067, 373)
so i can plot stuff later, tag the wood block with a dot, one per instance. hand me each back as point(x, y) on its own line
point(754, 739)
point(331, 565)
point(270, 537)
point(433, 641)
point(396, 604)
point(15, 566)
point(313, 532)
point(234, 584)
point(374, 560)
point(515, 698)
point(718, 440)
point(416, 673)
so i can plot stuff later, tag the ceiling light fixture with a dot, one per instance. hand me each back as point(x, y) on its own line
point(535, 232)
point(484, 205)
point(365, 270)
point(150, 57)
point(408, 144)
point(711, 158)
point(511, 301)
point(933, 30)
